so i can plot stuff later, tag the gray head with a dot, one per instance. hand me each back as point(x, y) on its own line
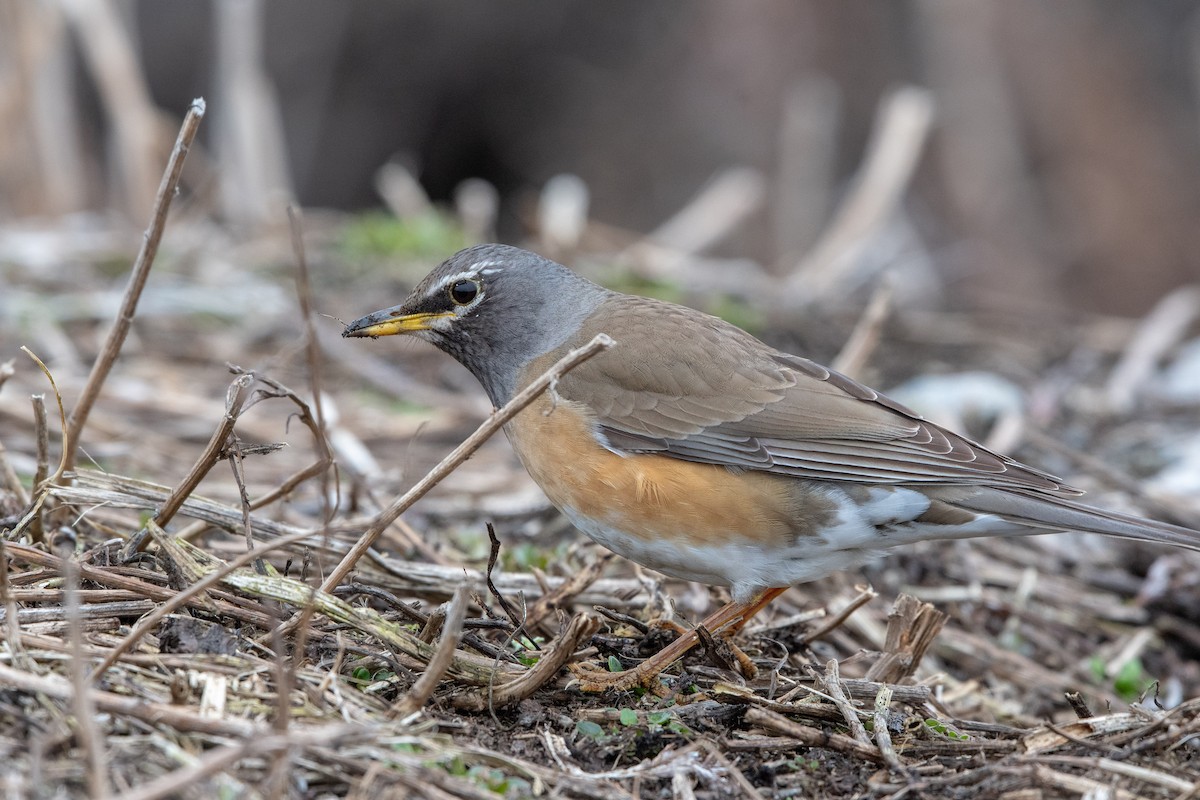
point(494, 308)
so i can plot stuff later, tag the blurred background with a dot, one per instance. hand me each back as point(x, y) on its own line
point(1015, 184)
point(996, 203)
point(1050, 158)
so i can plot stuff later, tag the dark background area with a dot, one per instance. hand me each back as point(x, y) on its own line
point(1062, 168)
point(986, 209)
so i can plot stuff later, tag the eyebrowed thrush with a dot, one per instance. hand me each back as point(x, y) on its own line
point(695, 449)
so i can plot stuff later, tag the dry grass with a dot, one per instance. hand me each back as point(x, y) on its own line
point(175, 623)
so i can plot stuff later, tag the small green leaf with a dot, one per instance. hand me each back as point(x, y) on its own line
point(585, 727)
point(941, 728)
point(628, 717)
point(614, 664)
point(1131, 680)
point(658, 717)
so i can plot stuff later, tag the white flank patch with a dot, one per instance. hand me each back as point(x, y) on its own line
point(888, 505)
point(860, 534)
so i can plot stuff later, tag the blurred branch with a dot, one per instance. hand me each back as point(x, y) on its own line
point(983, 165)
point(1162, 329)
point(111, 60)
point(807, 161)
point(722, 205)
point(863, 340)
point(670, 252)
point(892, 155)
point(41, 162)
point(250, 141)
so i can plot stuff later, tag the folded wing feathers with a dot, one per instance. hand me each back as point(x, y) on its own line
point(752, 407)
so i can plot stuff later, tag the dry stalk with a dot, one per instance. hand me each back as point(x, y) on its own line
point(91, 741)
point(137, 281)
point(812, 737)
point(559, 596)
point(857, 350)
point(883, 736)
point(837, 620)
point(312, 351)
point(832, 681)
point(235, 400)
point(41, 492)
point(461, 453)
point(452, 629)
point(912, 628)
point(108, 577)
point(42, 470)
point(551, 659)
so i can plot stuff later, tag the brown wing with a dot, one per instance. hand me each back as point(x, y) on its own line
point(694, 387)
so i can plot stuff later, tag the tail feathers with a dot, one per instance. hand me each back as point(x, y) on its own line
point(1059, 514)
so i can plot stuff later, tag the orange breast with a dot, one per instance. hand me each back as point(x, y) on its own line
point(655, 498)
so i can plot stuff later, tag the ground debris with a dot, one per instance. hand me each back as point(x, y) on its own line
point(1046, 667)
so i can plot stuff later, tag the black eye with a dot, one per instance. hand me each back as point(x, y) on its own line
point(463, 292)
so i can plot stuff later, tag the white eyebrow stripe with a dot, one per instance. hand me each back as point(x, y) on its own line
point(460, 276)
point(471, 275)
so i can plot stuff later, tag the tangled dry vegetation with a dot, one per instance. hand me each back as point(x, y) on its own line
point(177, 620)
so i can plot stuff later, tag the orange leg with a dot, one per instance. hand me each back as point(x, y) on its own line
point(724, 622)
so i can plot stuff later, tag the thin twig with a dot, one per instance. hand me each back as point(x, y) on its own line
point(493, 558)
point(832, 681)
point(137, 281)
point(837, 620)
point(865, 337)
point(86, 731)
point(312, 352)
point(235, 399)
point(551, 659)
point(461, 453)
point(452, 630)
point(42, 471)
point(42, 492)
point(810, 736)
point(883, 736)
